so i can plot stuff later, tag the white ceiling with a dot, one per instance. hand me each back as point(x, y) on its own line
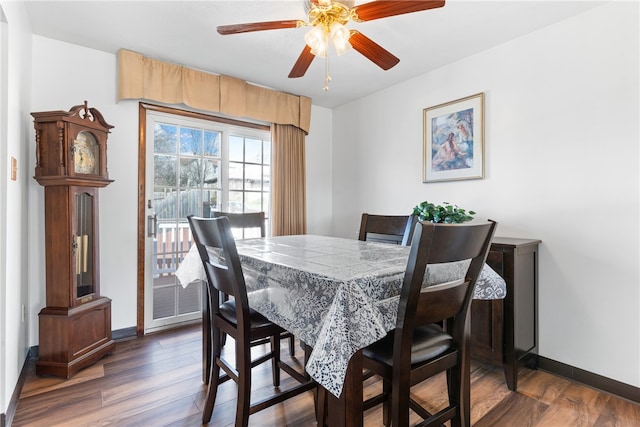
point(184, 32)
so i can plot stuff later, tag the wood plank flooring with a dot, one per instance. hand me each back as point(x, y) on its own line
point(156, 381)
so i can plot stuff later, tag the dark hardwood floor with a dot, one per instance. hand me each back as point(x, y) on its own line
point(156, 381)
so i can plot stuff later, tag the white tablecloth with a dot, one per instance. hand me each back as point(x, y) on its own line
point(337, 295)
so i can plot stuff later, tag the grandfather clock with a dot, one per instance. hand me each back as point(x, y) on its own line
point(71, 164)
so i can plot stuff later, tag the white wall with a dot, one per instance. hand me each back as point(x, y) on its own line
point(318, 168)
point(561, 159)
point(14, 78)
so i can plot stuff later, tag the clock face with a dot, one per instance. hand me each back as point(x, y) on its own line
point(85, 154)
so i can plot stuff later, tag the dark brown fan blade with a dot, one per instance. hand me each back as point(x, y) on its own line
point(382, 9)
point(302, 64)
point(258, 26)
point(373, 51)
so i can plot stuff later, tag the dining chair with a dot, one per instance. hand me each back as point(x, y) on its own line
point(396, 229)
point(432, 326)
point(253, 220)
point(234, 317)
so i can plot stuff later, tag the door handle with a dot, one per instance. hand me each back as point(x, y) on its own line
point(152, 225)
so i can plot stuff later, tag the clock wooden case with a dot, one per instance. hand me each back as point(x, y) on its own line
point(71, 164)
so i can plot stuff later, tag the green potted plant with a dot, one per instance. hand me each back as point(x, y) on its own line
point(445, 213)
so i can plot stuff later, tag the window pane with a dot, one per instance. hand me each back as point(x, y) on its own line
point(164, 202)
point(190, 141)
point(210, 203)
point(165, 138)
point(189, 172)
point(253, 202)
point(235, 201)
point(266, 177)
point(190, 202)
point(211, 143)
point(164, 302)
point(253, 151)
point(164, 170)
point(266, 201)
point(253, 177)
point(211, 173)
point(236, 148)
point(267, 152)
point(189, 299)
point(235, 176)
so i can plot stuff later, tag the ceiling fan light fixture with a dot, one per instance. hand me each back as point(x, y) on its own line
point(317, 40)
point(340, 36)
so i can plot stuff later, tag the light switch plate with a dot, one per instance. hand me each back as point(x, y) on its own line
point(14, 169)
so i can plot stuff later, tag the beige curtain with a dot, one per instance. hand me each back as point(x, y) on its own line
point(140, 77)
point(289, 203)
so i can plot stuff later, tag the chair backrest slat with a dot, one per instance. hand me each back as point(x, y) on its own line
point(387, 228)
point(436, 304)
point(245, 220)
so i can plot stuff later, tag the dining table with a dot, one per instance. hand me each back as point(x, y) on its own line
point(337, 295)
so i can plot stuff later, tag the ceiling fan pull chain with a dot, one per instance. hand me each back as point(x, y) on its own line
point(327, 78)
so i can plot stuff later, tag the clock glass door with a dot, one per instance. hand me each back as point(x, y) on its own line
point(84, 254)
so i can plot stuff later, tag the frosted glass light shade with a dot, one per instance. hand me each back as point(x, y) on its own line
point(340, 36)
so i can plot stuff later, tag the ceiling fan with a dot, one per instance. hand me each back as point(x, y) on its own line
point(328, 19)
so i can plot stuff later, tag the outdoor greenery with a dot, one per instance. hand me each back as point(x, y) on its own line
point(445, 213)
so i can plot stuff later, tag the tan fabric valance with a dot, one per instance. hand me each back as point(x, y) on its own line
point(140, 77)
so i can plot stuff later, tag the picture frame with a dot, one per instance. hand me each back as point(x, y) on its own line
point(453, 147)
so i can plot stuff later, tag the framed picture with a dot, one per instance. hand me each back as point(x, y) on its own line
point(454, 140)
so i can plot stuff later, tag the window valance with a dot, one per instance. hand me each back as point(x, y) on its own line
point(140, 77)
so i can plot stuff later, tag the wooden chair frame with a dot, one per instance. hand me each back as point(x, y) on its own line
point(238, 320)
point(422, 309)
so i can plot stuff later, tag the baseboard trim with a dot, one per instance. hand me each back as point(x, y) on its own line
point(124, 333)
point(590, 379)
point(7, 419)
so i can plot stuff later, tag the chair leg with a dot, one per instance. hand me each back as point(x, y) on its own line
point(386, 405)
point(275, 361)
point(214, 378)
point(459, 385)
point(400, 401)
point(243, 362)
point(292, 345)
point(207, 335)
point(321, 405)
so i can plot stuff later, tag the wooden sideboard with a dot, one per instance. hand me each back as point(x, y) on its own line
point(505, 331)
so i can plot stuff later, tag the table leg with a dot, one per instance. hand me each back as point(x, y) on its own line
point(347, 409)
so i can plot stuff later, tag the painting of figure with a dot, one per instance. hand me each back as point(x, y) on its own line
point(453, 140)
point(452, 136)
